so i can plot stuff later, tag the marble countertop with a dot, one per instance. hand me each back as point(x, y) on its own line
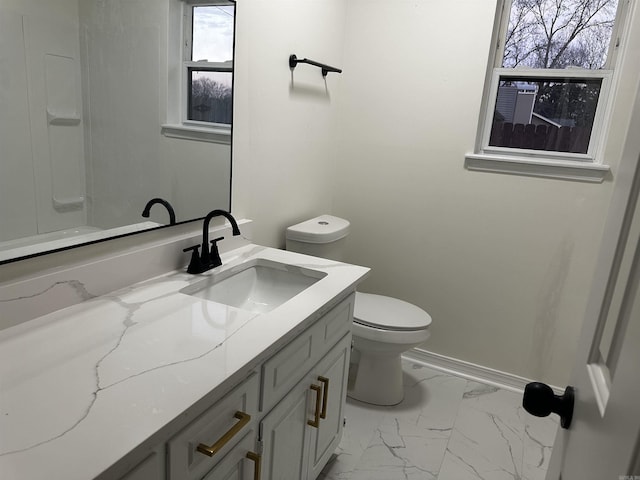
point(83, 386)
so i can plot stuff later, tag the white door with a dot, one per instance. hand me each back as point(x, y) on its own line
point(603, 440)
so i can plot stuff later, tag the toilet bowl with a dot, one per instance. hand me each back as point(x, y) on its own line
point(383, 327)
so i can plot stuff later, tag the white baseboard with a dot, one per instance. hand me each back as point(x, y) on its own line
point(471, 371)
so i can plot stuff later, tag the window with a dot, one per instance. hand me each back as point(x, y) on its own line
point(549, 113)
point(550, 78)
point(208, 62)
point(200, 70)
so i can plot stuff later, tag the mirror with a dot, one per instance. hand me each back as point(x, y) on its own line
point(102, 109)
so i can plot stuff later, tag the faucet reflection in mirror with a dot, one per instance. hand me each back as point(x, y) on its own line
point(210, 258)
point(87, 88)
point(147, 209)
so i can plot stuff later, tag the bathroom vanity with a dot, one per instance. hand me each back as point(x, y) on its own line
point(155, 380)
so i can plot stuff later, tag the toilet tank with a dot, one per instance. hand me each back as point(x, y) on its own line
point(324, 236)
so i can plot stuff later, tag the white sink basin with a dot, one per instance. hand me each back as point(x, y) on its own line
point(258, 286)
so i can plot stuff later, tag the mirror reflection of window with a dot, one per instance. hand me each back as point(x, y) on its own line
point(209, 63)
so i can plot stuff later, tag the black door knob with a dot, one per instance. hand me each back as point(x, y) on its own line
point(539, 400)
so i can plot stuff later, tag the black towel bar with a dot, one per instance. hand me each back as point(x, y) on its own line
point(293, 61)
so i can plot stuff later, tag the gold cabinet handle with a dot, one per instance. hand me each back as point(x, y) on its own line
point(325, 396)
point(243, 419)
point(316, 420)
point(256, 458)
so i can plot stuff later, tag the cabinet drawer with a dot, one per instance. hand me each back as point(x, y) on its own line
point(282, 371)
point(185, 461)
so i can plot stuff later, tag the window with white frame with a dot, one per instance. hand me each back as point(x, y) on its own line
point(550, 78)
point(207, 63)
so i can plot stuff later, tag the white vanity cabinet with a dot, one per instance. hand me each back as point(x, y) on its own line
point(283, 422)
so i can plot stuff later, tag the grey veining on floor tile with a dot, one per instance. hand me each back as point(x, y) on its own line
point(446, 428)
point(539, 434)
point(399, 449)
point(487, 439)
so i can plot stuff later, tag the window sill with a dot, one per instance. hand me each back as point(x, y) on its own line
point(200, 134)
point(537, 167)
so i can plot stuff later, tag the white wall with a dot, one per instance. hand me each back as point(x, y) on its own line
point(283, 156)
point(503, 263)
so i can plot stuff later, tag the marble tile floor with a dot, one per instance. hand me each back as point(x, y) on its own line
point(446, 428)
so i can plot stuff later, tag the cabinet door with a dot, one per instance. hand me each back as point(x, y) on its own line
point(241, 463)
point(294, 445)
point(284, 433)
point(331, 373)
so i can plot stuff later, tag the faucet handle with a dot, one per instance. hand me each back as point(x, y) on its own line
point(195, 265)
point(214, 255)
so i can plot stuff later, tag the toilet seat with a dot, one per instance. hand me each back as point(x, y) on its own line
point(387, 313)
point(384, 339)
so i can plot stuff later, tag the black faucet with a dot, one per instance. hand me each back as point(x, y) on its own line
point(210, 258)
point(152, 202)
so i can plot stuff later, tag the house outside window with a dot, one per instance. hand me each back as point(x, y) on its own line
point(545, 113)
point(550, 79)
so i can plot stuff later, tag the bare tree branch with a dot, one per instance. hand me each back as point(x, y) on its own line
point(557, 33)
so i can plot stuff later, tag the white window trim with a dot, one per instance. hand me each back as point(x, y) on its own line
point(178, 126)
point(576, 167)
point(537, 167)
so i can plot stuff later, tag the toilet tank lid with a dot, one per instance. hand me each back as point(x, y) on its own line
point(321, 229)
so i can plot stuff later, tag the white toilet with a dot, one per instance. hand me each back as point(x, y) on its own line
point(383, 327)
